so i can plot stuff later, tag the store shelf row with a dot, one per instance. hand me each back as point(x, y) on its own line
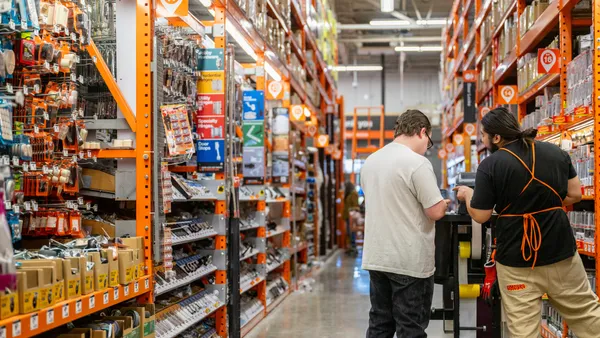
point(177, 283)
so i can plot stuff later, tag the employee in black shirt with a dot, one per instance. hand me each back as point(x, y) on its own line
point(528, 183)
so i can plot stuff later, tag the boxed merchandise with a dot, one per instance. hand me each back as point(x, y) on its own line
point(9, 304)
point(113, 266)
point(28, 284)
point(72, 271)
point(58, 282)
point(127, 266)
point(100, 271)
point(98, 180)
point(87, 276)
point(84, 333)
point(126, 324)
point(45, 286)
point(147, 318)
point(136, 244)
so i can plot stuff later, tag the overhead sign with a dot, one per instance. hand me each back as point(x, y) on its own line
point(548, 61)
point(297, 113)
point(172, 8)
point(275, 90)
point(470, 129)
point(322, 141)
point(507, 94)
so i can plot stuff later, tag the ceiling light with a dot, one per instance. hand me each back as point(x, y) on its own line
point(389, 23)
point(432, 22)
point(272, 72)
point(418, 49)
point(358, 68)
point(387, 6)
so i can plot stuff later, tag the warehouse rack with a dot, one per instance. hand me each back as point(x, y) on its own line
point(470, 54)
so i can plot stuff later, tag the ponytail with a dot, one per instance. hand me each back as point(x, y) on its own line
point(502, 122)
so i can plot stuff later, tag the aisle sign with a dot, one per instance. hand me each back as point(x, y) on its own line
point(507, 94)
point(253, 105)
point(253, 130)
point(469, 88)
point(210, 127)
point(254, 133)
point(337, 154)
point(210, 155)
point(275, 90)
point(210, 59)
point(548, 61)
point(211, 82)
point(312, 128)
point(172, 8)
point(210, 104)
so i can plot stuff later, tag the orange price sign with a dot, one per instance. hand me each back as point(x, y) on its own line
point(322, 141)
point(312, 127)
point(442, 154)
point(470, 76)
point(470, 129)
point(548, 61)
point(337, 154)
point(483, 111)
point(449, 147)
point(275, 90)
point(507, 94)
point(172, 8)
point(458, 139)
point(297, 113)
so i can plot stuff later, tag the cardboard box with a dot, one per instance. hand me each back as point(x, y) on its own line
point(87, 276)
point(98, 180)
point(126, 324)
point(148, 325)
point(99, 228)
point(84, 333)
point(9, 304)
point(113, 266)
point(72, 275)
point(127, 266)
point(58, 282)
point(28, 282)
point(100, 271)
point(46, 286)
point(137, 244)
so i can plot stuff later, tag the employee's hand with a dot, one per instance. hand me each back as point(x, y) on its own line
point(463, 192)
point(448, 202)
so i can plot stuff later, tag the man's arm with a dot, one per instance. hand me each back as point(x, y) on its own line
point(573, 192)
point(480, 203)
point(428, 193)
point(478, 215)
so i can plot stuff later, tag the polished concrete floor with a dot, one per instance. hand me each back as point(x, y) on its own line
point(337, 306)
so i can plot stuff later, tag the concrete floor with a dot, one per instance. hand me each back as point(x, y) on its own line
point(338, 306)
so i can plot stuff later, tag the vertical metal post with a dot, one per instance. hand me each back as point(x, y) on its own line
point(383, 80)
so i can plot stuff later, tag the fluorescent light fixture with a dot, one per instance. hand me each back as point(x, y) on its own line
point(432, 22)
point(387, 6)
point(418, 49)
point(389, 23)
point(272, 72)
point(237, 36)
point(358, 68)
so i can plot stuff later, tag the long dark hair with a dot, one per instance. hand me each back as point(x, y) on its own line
point(501, 122)
point(349, 189)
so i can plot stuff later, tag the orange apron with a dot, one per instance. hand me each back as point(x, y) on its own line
point(532, 234)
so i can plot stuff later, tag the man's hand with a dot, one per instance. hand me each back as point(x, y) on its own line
point(463, 193)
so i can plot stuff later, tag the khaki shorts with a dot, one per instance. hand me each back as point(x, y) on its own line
point(568, 291)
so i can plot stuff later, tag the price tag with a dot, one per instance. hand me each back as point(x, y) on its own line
point(74, 158)
point(75, 206)
point(65, 152)
point(34, 322)
point(116, 293)
point(9, 88)
point(80, 200)
point(105, 298)
point(34, 206)
point(57, 129)
point(56, 29)
point(73, 77)
point(136, 287)
point(81, 154)
point(16, 208)
point(92, 302)
point(16, 328)
point(77, 59)
point(80, 79)
point(3, 332)
point(78, 307)
point(50, 316)
point(45, 169)
point(65, 311)
point(89, 153)
point(36, 129)
point(11, 25)
point(32, 166)
point(7, 205)
point(25, 167)
point(46, 65)
point(36, 88)
point(27, 206)
point(55, 68)
point(126, 290)
point(146, 284)
point(46, 116)
point(88, 206)
point(25, 90)
point(5, 160)
point(95, 207)
point(73, 37)
point(66, 31)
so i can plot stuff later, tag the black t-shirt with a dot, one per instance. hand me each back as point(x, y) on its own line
point(499, 181)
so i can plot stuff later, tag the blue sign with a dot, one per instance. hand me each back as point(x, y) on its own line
point(253, 105)
point(210, 59)
point(210, 155)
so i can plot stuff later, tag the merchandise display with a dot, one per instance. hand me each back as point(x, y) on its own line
point(546, 80)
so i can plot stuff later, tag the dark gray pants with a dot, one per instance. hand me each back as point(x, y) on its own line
point(399, 304)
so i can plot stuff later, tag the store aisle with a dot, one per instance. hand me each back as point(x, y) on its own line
point(338, 306)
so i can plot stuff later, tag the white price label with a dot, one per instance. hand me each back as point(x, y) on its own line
point(7, 205)
point(16, 328)
point(89, 154)
point(27, 206)
point(80, 200)
point(34, 206)
point(45, 169)
point(56, 29)
point(73, 37)
point(65, 311)
point(116, 294)
point(16, 209)
point(73, 77)
point(25, 167)
point(78, 307)
point(34, 322)
point(25, 90)
point(80, 79)
point(36, 88)
point(75, 206)
point(36, 129)
point(74, 158)
point(136, 287)
point(105, 298)
point(55, 68)
point(46, 116)
point(146, 284)
point(3, 332)
point(88, 206)
point(15, 160)
point(46, 65)
point(5, 160)
point(57, 129)
point(32, 166)
point(92, 302)
point(77, 59)
point(9, 88)
point(81, 154)
point(65, 152)
point(24, 25)
point(126, 290)
point(11, 25)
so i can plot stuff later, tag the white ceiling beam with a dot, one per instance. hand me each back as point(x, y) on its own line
point(367, 27)
point(393, 38)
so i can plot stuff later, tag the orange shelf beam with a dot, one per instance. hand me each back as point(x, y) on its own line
point(83, 306)
point(586, 253)
point(112, 85)
point(533, 91)
point(564, 127)
point(116, 153)
point(588, 198)
point(540, 29)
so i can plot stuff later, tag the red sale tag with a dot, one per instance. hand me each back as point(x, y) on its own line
point(548, 61)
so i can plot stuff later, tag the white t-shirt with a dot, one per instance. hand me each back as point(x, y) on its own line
point(399, 185)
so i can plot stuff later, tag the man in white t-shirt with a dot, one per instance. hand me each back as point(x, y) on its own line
point(403, 202)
